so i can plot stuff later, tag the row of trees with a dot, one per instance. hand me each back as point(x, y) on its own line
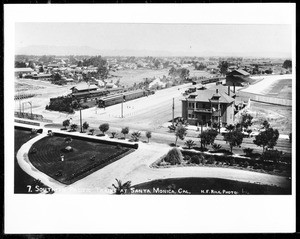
point(266, 139)
point(136, 135)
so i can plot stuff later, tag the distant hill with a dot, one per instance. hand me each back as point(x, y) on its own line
point(86, 50)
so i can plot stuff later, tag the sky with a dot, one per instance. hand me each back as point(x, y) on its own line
point(179, 39)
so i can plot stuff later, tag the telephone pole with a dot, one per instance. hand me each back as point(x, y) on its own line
point(80, 120)
point(173, 113)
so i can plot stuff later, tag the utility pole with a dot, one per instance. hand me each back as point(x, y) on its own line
point(173, 113)
point(80, 120)
point(29, 102)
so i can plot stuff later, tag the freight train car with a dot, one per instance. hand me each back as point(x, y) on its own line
point(91, 94)
point(118, 98)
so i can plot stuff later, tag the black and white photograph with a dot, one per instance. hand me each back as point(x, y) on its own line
point(176, 109)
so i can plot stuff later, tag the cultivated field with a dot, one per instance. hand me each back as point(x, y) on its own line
point(129, 76)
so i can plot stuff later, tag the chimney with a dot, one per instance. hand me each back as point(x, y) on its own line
point(229, 90)
point(217, 91)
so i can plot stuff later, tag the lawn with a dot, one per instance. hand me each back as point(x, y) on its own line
point(22, 180)
point(85, 158)
point(197, 186)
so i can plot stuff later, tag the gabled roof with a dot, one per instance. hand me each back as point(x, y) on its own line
point(240, 71)
point(84, 86)
point(206, 96)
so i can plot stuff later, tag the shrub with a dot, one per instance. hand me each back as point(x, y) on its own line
point(211, 160)
point(271, 155)
point(246, 164)
point(187, 158)
point(189, 143)
point(232, 161)
point(136, 136)
point(148, 135)
point(174, 156)
point(104, 127)
point(216, 146)
point(85, 125)
point(248, 151)
point(92, 131)
point(125, 131)
point(73, 127)
point(195, 159)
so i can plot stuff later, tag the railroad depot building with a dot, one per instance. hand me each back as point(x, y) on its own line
point(84, 87)
point(207, 106)
point(238, 78)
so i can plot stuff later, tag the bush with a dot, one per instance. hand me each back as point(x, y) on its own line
point(187, 158)
point(232, 161)
point(248, 151)
point(174, 156)
point(104, 127)
point(246, 164)
point(189, 143)
point(136, 136)
point(195, 159)
point(271, 155)
point(216, 146)
point(211, 160)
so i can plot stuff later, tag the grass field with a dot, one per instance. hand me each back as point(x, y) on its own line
point(129, 76)
point(21, 179)
point(207, 186)
point(86, 157)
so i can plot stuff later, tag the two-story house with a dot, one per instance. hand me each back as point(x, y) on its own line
point(208, 106)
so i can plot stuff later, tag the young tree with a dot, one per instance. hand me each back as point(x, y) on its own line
point(265, 124)
point(113, 134)
point(267, 139)
point(148, 135)
point(85, 125)
point(207, 137)
point(121, 188)
point(92, 131)
point(73, 127)
point(136, 136)
point(189, 143)
point(104, 127)
point(125, 131)
point(230, 127)
point(66, 123)
point(234, 138)
point(246, 120)
point(180, 133)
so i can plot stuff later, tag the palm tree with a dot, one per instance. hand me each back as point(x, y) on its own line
point(121, 188)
